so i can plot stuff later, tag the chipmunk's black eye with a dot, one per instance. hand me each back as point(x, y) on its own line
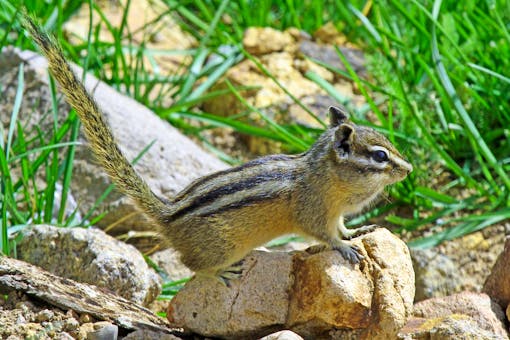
point(380, 156)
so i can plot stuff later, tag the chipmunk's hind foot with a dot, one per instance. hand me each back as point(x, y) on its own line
point(234, 272)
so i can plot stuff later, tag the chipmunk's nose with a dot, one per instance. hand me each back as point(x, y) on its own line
point(408, 167)
point(404, 164)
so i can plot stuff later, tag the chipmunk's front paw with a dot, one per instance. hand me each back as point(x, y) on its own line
point(349, 252)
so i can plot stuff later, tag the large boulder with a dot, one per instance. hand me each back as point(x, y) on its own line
point(311, 294)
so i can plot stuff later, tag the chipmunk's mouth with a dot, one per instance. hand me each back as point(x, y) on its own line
point(399, 175)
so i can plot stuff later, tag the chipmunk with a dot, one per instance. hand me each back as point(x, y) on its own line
point(217, 219)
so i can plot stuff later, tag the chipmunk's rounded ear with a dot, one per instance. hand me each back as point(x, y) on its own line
point(337, 116)
point(344, 136)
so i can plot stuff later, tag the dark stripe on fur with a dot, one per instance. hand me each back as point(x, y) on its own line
point(230, 189)
point(243, 203)
point(186, 192)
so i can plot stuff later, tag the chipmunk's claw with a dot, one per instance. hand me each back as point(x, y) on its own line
point(350, 253)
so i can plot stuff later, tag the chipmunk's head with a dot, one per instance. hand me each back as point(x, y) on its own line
point(370, 156)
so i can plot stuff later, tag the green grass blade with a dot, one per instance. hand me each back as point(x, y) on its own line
point(328, 87)
point(68, 170)
point(361, 86)
point(490, 72)
point(15, 110)
point(218, 121)
point(282, 132)
point(213, 77)
point(435, 196)
point(474, 223)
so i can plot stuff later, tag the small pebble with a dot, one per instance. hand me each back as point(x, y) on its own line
point(71, 324)
point(103, 331)
point(85, 318)
point(44, 315)
point(65, 336)
point(21, 320)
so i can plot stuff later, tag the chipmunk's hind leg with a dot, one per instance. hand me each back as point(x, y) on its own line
point(225, 275)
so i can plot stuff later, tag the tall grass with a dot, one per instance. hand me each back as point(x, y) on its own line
point(440, 67)
point(27, 155)
point(446, 64)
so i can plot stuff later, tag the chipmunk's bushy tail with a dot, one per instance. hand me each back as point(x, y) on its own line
point(96, 129)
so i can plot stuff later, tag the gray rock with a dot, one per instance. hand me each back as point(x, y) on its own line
point(103, 331)
point(328, 55)
point(145, 334)
point(436, 274)
point(462, 265)
point(169, 261)
point(91, 256)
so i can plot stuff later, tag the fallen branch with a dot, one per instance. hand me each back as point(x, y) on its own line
point(80, 297)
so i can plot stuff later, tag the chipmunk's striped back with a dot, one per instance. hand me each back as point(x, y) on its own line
point(256, 181)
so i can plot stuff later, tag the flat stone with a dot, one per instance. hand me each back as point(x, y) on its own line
point(450, 327)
